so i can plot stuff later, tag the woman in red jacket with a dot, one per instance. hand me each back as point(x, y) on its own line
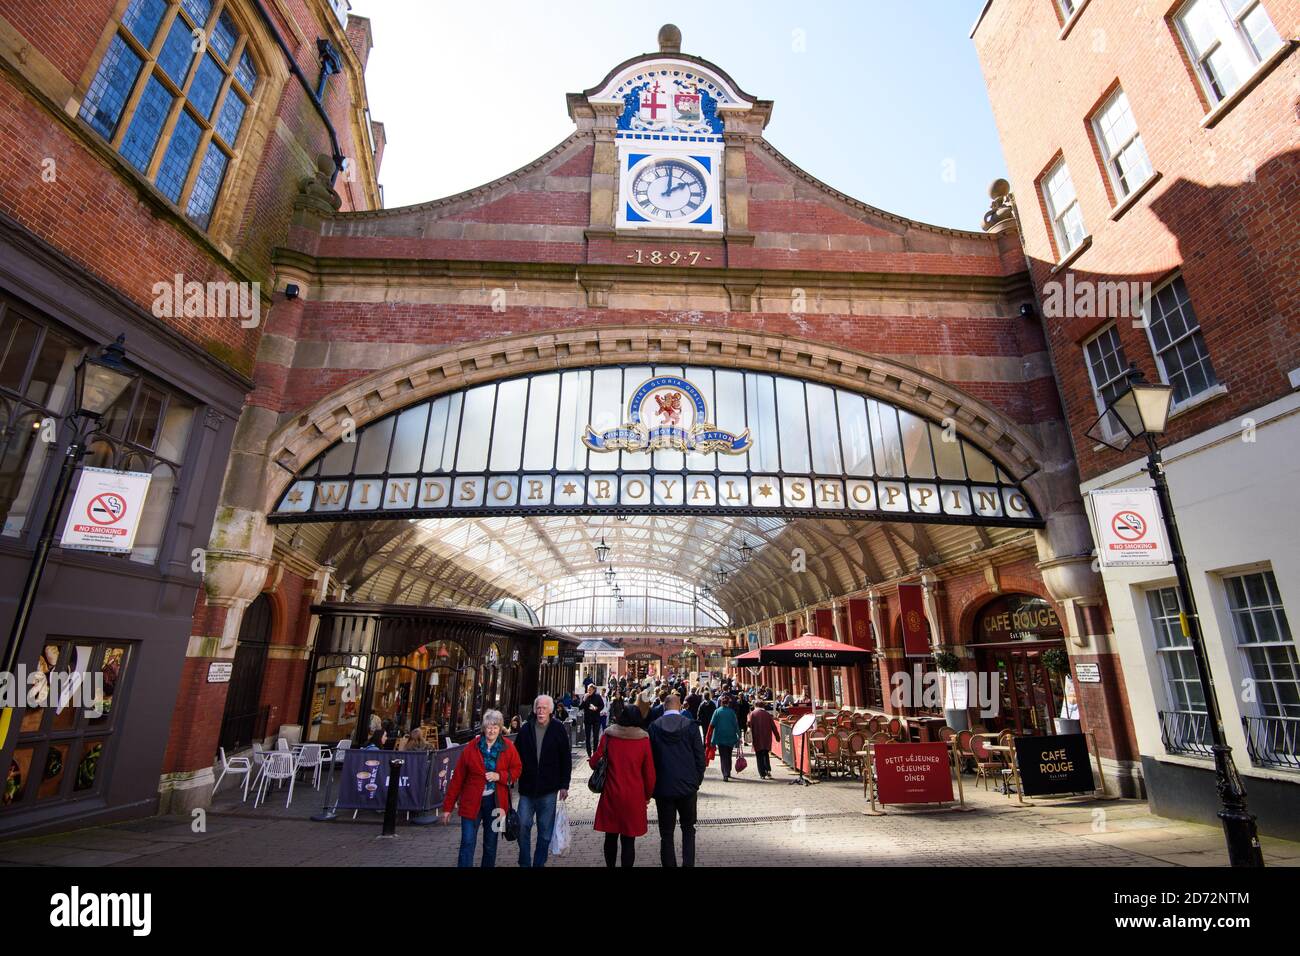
point(488, 766)
point(629, 784)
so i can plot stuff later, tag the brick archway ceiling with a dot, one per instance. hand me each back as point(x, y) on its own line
point(474, 561)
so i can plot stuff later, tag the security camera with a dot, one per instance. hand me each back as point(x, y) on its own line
point(1027, 311)
point(291, 292)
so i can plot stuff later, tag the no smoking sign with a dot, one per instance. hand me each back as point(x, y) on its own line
point(105, 512)
point(1128, 527)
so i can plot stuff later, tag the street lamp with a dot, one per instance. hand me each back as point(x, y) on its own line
point(1142, 412)
point(98, 382)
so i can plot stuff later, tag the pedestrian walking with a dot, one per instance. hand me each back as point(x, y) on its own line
point(629, 785)
point(592, 705)
point(742, 713)
point(543, 747)
point(762, 728)
point(726, 733)
point(480, 786)
point(678, 754)
point(705, 716)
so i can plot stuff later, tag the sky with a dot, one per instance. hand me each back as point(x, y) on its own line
point(881, 99)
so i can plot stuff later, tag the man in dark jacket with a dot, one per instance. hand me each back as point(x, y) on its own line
point(762, 729)
point(705, 715)
point(592, 705)
point(691, 703)
point(678, 751)
point(543, 747)
point(742, 713)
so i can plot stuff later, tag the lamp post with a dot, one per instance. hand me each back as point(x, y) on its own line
point(1142, 412)
point(98, 383)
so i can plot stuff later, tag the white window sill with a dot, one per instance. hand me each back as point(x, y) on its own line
point(1074, 18)
point(1084, 245)
point(1197, 400)
point(1134, 196)
point(1224, 106)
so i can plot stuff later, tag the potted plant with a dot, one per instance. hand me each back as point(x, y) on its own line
point(1057, 663)
point(946, 662)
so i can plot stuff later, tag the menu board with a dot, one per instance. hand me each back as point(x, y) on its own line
point(1057, 764)
point(913, 773)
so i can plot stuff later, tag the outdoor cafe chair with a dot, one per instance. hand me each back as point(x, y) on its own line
point(340, 750)
point(310, 758)
point(233, 765)
point(857, 743)
point(834, 753)
point(895, 726)
point(282, 744)
point(963, 747)
point(988, 764)
point(281, 766)
point(259, 762)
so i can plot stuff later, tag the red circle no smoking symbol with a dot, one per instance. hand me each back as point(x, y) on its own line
point(1128, 526)
point(106, 509)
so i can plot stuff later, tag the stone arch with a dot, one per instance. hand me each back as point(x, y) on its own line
point(977, 603)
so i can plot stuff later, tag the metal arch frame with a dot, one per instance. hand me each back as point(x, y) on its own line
point(874, 434)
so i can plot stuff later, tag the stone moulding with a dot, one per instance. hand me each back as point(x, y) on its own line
point(295, 444)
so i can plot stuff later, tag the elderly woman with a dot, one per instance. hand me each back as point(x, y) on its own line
point(480, 784)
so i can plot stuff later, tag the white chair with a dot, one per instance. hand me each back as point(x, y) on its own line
point(340, 749)
point(283, 744)
point(291, 733)
point(259, 763)
point(281, 766)
point(310, 758)
point(233, 765)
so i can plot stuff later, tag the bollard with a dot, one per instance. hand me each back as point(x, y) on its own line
point(390, 805)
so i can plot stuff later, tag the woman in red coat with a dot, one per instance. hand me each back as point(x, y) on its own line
point(488, 767)
point(629, 784)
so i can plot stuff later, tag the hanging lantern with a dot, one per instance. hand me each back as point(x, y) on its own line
point(609, 575)
point(720, 576)
point(746, 552)
point(602, 551)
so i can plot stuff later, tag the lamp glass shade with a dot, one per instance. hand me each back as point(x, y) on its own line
point(1126, 409)
point(1153, 403)
point(100, 382)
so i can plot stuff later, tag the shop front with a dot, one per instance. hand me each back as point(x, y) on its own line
point(1014, 637)
point(438, 669)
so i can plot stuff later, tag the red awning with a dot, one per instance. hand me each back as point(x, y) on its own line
point(748, 659)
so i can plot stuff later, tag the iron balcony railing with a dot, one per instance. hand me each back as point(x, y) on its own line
point(1186, 732)
point(1273, 741)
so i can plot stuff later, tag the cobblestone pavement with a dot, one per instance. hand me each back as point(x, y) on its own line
point(745, 822)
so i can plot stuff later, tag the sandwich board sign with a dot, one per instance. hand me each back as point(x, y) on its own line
point(106, 510)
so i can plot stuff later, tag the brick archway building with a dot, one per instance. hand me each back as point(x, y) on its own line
point(553, 266)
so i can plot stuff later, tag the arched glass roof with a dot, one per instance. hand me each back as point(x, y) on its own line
point(648, 601)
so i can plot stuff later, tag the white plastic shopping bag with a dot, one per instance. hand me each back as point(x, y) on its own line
point(560, 838)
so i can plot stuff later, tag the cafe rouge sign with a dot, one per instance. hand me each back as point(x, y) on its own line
point(1018, 617)
point(626, 467)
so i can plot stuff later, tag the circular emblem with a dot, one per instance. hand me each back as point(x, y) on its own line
point(1129, 526)
point(914, 621)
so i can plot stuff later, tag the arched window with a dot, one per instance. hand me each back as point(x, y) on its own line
point(171, 95)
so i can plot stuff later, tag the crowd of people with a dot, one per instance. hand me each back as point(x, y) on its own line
point(647, 740)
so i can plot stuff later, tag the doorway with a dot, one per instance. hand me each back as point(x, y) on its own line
point(243, 721)
point(1029, 694)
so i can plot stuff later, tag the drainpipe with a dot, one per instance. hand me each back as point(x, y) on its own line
point(338, 157)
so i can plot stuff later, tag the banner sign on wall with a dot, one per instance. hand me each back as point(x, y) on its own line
point(916, 629)
point(1128, 527)
point(825, 624)
point(864, 634)
point(106, 509)
point(913, 773)
point(1056, 764)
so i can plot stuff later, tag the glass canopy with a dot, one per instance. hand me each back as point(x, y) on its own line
point(648, 601)
point(656, 439)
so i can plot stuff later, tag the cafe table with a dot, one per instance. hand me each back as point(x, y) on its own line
point(1010, 770)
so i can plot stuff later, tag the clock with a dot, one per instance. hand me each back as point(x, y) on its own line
point(669, 191)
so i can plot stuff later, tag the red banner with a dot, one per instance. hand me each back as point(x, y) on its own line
point(864, 635)
point(916, 629)
point(913, 773)
point(825, 624)
point(778, 632)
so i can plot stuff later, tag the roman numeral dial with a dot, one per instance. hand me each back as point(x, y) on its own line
point(669, 190)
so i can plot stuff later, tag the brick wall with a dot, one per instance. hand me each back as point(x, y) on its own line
point(1224, 209)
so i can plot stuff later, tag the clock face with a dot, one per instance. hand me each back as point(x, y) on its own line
point(669, 190)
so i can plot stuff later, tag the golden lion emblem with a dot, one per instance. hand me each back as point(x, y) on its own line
point(670, 407)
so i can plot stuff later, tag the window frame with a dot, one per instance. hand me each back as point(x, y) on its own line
point(1199, 60)
point(1110, 160)
point(1277, 607)
point(151, 70)
point(1148, 318)
point(1112, 328)
point(1056, 217)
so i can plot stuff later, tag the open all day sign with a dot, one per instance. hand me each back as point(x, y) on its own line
point(106, 509)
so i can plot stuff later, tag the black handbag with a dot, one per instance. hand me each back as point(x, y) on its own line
point(511, 832)
point(596, 782)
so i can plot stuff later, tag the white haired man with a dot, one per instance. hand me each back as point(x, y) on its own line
point(543, 747)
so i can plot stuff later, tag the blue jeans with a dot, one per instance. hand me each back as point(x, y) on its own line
point(469, 835)
point(543, 808)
